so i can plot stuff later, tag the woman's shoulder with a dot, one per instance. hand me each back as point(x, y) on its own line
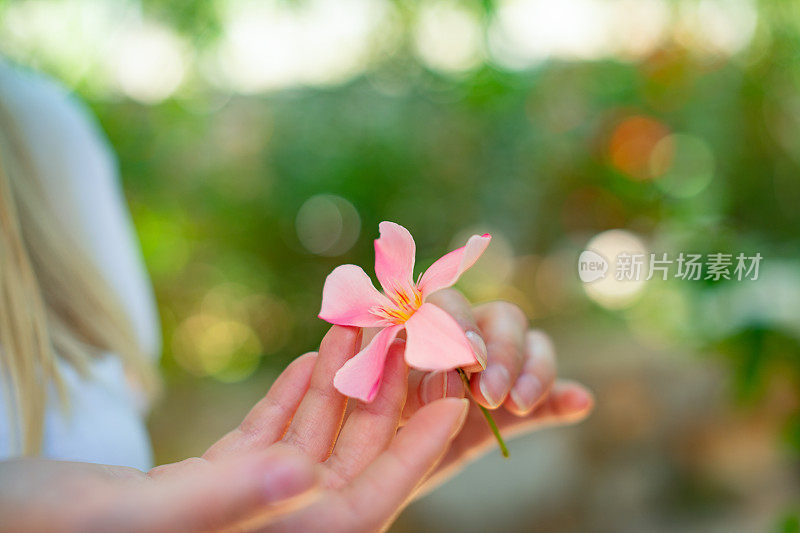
point(55, 123)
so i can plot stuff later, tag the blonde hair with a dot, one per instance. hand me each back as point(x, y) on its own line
point(54, 303)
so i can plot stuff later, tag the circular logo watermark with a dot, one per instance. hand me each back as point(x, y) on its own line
point(591, 266)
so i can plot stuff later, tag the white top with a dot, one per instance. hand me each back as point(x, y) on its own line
point(72, 156)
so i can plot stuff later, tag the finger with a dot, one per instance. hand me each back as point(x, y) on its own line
point(427, 387)
point(376, 496)
point(370, 427)
point(381, 490)
point(214, 497)
point(318, 418)
point(268, 419)
point(568, 403)
point(503, 326)
point(537, 376)
point(460, 309)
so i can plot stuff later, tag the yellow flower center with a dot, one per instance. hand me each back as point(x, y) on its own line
point(405, 305)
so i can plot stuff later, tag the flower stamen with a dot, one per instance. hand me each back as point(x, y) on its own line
point(404, 305)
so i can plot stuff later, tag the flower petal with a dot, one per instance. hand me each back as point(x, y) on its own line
point(435, 341)
point(348, 298)
point(394, 258)
point(360, 377)
point(448, 268)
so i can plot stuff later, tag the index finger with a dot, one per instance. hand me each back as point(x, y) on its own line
point(317, 421)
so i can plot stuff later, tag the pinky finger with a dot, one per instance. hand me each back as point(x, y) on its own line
point(569, 402)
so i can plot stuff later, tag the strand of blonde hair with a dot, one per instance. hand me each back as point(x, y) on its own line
point(54, 303)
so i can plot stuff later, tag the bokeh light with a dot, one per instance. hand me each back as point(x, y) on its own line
point(610, 292)
point(149, 62)
point(526, 32)
point(639, 27)
point(71, 37)
point(270, 44)
point(231, 329)
point(632, 144)
point(327, 225)
point(716, 27)
point(448, 37)
point(207, 345)
point(684, 165)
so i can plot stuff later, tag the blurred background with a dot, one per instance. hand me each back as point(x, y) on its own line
point(261, 142)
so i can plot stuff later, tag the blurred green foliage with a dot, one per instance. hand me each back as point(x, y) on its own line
point(246, 197)
point(216, 180)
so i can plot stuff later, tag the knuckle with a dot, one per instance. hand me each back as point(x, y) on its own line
point(328, 340)
point(334, 337)
point(505, 351)
point(301, 358)
point(252, 426)
point(191, 463)
point(449, 294)
point(194, 462)
point(452, 301)
point(537, 333)
point(510, 311)
point(380, 412)
point(540, 346)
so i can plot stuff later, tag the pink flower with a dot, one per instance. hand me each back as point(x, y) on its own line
point(434, 341)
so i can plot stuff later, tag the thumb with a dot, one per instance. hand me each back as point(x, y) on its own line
point(220, 495)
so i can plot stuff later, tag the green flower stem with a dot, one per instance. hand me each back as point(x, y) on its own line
point(486, 414)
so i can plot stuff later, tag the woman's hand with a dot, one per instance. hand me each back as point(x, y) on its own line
point(193, 495)
point(296, 462)
point(291, 465)
point(368, 470)
point(520, 376)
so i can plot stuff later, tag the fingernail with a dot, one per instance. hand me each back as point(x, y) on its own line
point(461, 418)
point(494, 384)
point(359, 339)
point(526, 391)
point(455, 387)
point(433, 387)
point(289, 477)
point(478, 348)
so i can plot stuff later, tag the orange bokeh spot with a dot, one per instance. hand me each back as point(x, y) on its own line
point(632, 144)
